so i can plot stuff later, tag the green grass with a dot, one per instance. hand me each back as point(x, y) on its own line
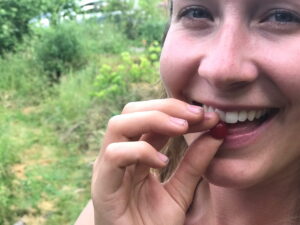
point(45, 158)
point(51, 133)
point(37, 170)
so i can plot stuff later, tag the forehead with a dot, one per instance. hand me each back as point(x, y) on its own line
point(245, 4)
point(234, 1)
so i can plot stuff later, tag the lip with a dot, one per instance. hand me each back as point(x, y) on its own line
point(236, 140)
point(231, 108)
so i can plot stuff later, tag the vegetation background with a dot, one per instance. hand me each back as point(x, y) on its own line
point(59, 84)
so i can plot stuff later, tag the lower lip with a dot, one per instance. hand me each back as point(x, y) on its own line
point(240, 140)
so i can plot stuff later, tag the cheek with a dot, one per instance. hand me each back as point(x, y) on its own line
point(179, 61)
point(283, 63)
point(287, 76)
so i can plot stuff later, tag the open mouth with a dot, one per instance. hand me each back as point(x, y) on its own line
point(242, 121)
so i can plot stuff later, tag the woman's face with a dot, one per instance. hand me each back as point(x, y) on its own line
point(242, 58)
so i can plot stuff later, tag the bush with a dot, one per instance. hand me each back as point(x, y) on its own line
point(151, 31)
point(60, 51)
point(14, 22)
point(115, 82)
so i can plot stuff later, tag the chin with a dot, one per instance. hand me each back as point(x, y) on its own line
point(232, 174)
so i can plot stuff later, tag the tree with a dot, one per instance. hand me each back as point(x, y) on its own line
point(15, 16)
point(14, 21)
point(55, 10)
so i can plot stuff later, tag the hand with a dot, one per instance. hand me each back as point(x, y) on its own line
point(123, 189)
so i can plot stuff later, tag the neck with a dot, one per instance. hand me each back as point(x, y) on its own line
point(269, 204)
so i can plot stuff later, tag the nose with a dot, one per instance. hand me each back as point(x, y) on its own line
point(227, 63)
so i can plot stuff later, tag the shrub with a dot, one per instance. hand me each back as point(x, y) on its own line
point(14, 22)
point(60, 51)
point(115, 82)
point(151, 31)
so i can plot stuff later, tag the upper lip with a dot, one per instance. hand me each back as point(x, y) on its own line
point(230, 108)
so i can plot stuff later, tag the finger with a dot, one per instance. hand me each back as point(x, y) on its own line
point(109, 171)
point(129, 127)
point(158, 141)
point(210, 120)
point(182, 184)
point(170, 106)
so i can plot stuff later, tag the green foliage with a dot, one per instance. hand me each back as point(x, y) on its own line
point(56, 10)
point(21, 76)
point(114, 82)
point(117, 5)
point(15, 17)
point(53, 132)
point(153, 52)
point(14, 21)
point(13, 137)
point(8, 156)
point(46, 141)
point(59, 51)
point(99, 38)
point(147, 22)
point(151, 31)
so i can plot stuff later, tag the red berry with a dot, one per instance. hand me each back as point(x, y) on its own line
point(219, 131)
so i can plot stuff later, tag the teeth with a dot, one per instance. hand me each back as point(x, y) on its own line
point(237, 116)
point(243, 116)
point(259, 113)
point(210, 109)
point(221, 114)
point(232, 117)
point(251, 115)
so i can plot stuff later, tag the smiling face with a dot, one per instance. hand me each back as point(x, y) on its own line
point(241, 58)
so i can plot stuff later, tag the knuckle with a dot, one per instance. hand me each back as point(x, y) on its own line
point(129, 107)
point(113, 122)
point(145, 150)
point(145, 145)
point(155, 113)
point(172, 102)
point(112, 153)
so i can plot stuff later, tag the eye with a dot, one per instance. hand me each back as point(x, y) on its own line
point(282, 17)
point(196, 13)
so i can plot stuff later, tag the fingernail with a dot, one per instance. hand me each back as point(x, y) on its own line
point(195, 109)
point(178, 121)
point(163, 157)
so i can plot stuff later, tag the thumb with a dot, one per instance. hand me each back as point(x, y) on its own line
point(182, 184)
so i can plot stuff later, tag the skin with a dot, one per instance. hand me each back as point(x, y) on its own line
point(123, 189)
point(235, 54)
point(241, 55)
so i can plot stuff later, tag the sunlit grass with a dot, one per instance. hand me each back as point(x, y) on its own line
point(50, 134)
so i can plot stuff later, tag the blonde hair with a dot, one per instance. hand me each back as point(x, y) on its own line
point(174, 149)
point(176, 146)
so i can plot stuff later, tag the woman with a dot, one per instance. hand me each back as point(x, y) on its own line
point(229, 60)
